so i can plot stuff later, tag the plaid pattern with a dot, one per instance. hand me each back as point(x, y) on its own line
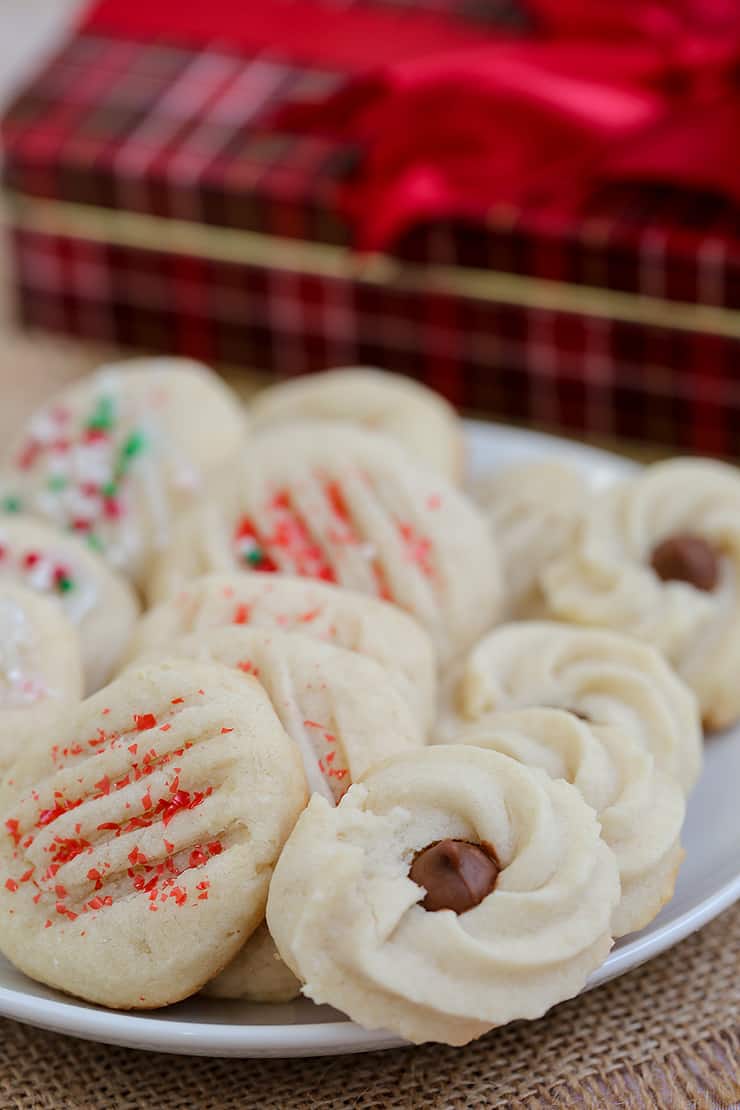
point(174, 133)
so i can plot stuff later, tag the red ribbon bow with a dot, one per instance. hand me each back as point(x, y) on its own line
point(646, 92)
point(458, 120)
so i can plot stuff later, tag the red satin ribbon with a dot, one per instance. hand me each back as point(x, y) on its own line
point(453, 122)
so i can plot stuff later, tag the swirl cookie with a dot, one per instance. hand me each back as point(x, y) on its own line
point(451, 891)
point(344, 717)
point(422, 420)
point(344, 505)
point(117, 454)
point(136, 858)
point(100, 604)
point(640, 809)
point(605, 678)
point(659, 558)
point(40, 667)
point(316, 609)
point(534, 509)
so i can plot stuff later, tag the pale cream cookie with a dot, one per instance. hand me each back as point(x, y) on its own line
point(658, 557)
point(342, 713)
point(534, 509)
point(98, 602)
point(606, 678)
point(421, 419)
point(40, 668)
point(451, 891)
point(136, 854)
point(115, 456)
point(342, 504)
point(316, 609)
point(640, 808)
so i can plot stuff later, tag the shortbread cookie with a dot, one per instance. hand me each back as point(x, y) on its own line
point(659, 557)
point(114, 456)
point(342, 713)
point(422, 420)
point(338, 707)
point(137, 858)
point(40, 667)
point(534, 509)
point(451, 891)
point(345, 505)
point(316, 609)
point(256, 974)
point(100, 604)
point(601, 676)
point(640, 808)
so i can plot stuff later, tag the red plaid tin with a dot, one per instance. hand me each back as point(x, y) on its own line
point(152, 206)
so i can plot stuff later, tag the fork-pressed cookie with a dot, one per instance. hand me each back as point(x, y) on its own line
point(342, 504)
point(312, 609)
point(344, 716)
point(137, 849)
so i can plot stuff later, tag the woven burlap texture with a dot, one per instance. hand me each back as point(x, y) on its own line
point(667, 1035)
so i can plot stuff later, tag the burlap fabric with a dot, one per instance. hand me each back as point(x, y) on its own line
point(667, 1035)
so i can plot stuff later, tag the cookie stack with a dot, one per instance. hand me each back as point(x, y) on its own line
point(418, 753)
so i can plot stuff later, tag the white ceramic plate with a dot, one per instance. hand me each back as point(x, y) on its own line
point(708, 882)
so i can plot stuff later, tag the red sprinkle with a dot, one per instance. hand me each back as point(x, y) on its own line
point(241, 615)
point(177, 701)
point(11, 885)
point(225, 730)
point(144, 721)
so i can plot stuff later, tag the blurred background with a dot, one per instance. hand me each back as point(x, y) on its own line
point(531, 207)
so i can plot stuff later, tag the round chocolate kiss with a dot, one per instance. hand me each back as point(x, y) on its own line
point(686, 558)
point(456, 874)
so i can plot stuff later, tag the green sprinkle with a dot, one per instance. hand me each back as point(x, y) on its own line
point(94, 542)
point(57, 482)
point(103, 416)
point(110, 489)
point(134, 445)
point(64, 585)
point(12, 504)
point(254, 557)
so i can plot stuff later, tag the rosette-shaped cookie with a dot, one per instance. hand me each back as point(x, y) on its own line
point(640, 808)
point(405, 410)
point(40, 667)
point(451, 891)
point(98, 602)
point(658, 557)
point(138, 843)
point(601, 676)
point(534, 509)
point(115, 456)
point(323, 612)
point(342, 504)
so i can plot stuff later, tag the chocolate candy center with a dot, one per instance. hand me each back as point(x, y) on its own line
point(686, 558)
point(456, 874)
